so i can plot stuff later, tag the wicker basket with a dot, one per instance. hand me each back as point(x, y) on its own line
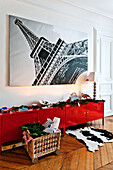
point(43, 145)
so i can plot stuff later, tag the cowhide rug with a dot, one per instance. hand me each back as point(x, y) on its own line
point(92, 138)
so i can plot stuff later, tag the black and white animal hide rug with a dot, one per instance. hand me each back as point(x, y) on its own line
point(92, 138)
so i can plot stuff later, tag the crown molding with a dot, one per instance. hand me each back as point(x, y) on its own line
point(89, 8)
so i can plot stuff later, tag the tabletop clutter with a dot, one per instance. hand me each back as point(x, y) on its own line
point(72, 98)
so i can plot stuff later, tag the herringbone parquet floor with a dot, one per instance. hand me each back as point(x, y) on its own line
point(73, 156)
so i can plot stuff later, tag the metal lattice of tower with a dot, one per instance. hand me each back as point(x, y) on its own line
point(49, 58)
point(30, 37)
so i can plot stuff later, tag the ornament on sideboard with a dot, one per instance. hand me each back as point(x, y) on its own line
point(43, 103)
point(4, 110)
point(85, 96)
point(34, 106)
point(73, 97)
point(19, 108)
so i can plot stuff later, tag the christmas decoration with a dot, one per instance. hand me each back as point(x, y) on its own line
point(35, 129)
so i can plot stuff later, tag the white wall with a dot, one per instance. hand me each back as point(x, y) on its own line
point(57, 13)
point(105, 67)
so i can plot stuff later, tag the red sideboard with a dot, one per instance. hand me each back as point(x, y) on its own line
point(70, 115)
point(85, 113)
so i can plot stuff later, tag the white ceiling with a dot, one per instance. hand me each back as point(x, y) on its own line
point(103, 7)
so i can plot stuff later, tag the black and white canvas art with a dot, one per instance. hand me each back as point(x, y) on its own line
point(44, 54)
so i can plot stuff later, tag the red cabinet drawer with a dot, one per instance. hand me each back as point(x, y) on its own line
point(82, 113)
point(11, 124)
point(95, 111)
point(71, 115)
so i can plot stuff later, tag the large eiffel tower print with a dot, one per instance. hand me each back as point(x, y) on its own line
point(55, 62)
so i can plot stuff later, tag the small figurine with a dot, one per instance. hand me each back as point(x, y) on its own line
point(85, 96)
point(5, 110)
point(73, 97)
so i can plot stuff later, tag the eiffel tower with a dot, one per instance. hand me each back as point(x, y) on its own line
point(50, 59)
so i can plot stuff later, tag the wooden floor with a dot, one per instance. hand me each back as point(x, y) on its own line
point(73, 156)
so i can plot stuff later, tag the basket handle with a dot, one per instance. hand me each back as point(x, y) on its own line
point(27, 138)
point(27, 134)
